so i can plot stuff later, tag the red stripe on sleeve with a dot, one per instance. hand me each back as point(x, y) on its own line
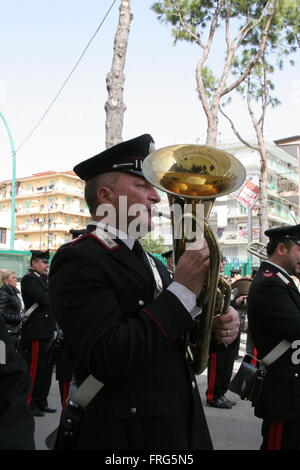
point(159, 325)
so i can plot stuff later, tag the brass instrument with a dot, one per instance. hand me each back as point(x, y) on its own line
point(258, 249)
point(192, 175)
point(241, 286)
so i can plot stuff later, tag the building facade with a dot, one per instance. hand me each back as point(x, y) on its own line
point(48, 205)
point(231, 220)
point(291, 145)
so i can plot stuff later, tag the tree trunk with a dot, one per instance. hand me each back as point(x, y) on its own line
point(115, 79)
point(212, 127)
point(263, 185)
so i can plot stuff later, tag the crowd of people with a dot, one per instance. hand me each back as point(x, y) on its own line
point(108, 310)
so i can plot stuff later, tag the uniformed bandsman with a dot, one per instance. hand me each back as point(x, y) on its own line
point(219, 369)
point(274, 315)
point(63, 357)
point(37, 331)
point(125, 320)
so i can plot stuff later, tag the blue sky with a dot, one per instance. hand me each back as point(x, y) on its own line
point(40, 43)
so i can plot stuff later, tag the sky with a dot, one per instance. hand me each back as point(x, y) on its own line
point(41, 40)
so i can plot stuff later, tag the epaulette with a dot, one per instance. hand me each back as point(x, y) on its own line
point(283, 278)
point(100, 236)
point(267, 273)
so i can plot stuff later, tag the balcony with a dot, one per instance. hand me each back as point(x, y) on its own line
point(64, 208)
point(38, 245)
point(43, 227)
point(43, 190)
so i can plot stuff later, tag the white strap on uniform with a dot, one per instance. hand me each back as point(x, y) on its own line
point(84, 394)
point(276, 352)
point(157, 278)
point(30, 310)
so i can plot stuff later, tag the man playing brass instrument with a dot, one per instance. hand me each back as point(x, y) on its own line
point(274, 315)
point(126, 321)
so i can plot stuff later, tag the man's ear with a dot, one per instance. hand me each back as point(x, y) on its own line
point(33, 263)
point(104, 195)
point(281, 249)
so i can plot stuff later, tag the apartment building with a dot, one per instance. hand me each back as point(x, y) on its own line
point(230, 219)
point(290, 145)
point(47, 206)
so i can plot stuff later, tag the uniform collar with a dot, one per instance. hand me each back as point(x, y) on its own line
point(33, 271)
point(281, 273)
point(278, 267)
point(115, 233)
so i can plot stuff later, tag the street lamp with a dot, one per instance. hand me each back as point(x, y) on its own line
point(13, 184)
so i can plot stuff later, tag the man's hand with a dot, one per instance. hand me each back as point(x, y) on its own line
point(241, 300)
point(191, 269)
point(226, 326)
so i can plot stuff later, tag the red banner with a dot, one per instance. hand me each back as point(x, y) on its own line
point(249, 192)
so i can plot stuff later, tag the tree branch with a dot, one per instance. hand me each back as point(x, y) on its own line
point(196, 37)
point(214, 23)
point(238, 135)
point(250, 25)
point(227, 21)
point(228, 61)
point(265, 96)
point(261, 50)
point(206, 50)
point(249, 105)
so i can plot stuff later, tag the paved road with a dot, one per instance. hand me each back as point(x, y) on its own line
point(235, 429)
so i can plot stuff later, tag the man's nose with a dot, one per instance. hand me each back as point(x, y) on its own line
point(154, 196)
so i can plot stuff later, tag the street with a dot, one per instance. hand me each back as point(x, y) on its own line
point(233, 429)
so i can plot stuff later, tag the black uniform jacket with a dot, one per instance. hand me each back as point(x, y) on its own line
point(274, 315)
point(103, 300)
point(41, 323)
point(16, 421)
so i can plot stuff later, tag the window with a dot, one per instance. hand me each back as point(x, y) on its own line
point(243, 209)
point(3, 235)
